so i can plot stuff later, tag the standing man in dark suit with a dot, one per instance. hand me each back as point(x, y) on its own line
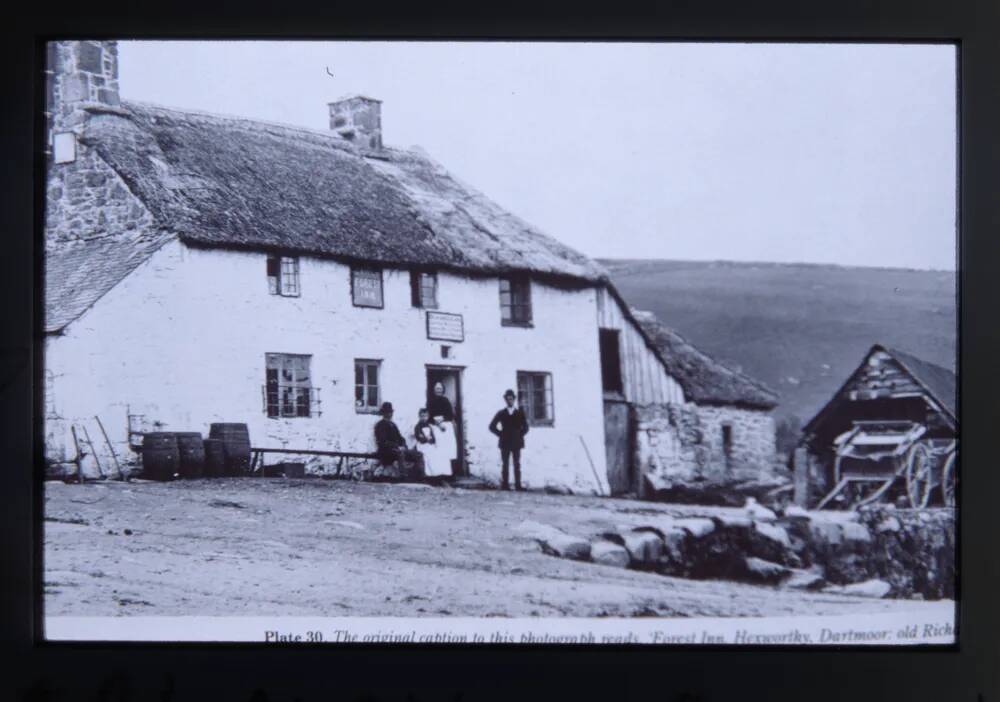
point(510, 425)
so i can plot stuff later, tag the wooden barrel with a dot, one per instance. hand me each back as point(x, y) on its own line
point(192, 454)
point(215, 458)
point(160, 456)
point(236, 446)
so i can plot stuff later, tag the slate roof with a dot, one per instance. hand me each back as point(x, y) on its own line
point(704, 379)
point(940, 383)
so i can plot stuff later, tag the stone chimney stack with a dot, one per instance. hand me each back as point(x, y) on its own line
point(79, 73)
point(358, 119)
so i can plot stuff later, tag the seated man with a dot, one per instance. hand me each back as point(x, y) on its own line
point(391, 446)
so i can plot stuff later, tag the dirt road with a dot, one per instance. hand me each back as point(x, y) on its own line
point(257, 546)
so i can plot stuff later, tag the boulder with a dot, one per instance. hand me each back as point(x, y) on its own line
point(855, 533)
point(825, 532)
point(868, 588)
point(556, 542)
point(733, 521)
point(698, 527)
point(774, 533)
point(644, 548)
point(796, 512)
point(761, 571)
point(674, 542)
point(608, 553)
point(804, 580)
point(889, 524)
point(758, 512)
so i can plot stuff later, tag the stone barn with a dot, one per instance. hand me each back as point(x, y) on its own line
point(719, 444)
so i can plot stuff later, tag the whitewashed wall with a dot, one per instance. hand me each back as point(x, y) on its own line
point(645, 381)
point(182, 340)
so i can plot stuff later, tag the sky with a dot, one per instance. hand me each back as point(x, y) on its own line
point(818, 153)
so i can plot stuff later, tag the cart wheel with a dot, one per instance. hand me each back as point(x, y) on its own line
point(948, 482)
point(918, 475)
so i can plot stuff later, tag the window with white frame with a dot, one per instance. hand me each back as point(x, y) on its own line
point(288, 390)
point(283, 275)
point(534, 392)
point(515, 301)
point(366, 287)
point(367, 395)
point(423, 289)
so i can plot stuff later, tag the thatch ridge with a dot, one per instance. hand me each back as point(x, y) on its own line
point(239, 183)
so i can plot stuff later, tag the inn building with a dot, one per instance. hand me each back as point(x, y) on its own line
point(203, 268)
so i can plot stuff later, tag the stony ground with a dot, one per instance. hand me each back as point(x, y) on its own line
point(259, 546)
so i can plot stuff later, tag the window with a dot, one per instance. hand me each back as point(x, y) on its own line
point(423, 289)
point(611, 364)
point(534, 391)
point(727, 443)
point(288, 390)
point(283, 275)
point(367, 397)
point(366, 287)
point(515, 301)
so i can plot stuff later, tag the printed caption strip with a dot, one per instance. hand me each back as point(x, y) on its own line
point(932, 624)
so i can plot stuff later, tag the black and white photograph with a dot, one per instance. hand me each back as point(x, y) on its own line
point(493, 342)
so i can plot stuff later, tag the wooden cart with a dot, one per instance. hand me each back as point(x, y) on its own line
point(875, 459)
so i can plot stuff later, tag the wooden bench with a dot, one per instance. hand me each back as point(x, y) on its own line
point(258, 453)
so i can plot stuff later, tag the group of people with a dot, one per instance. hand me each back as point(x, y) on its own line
point(436, 439)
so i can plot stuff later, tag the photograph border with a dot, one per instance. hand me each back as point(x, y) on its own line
point(964, 665)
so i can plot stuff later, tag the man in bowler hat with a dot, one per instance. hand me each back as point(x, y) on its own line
point(390, 444)
point(510, 425)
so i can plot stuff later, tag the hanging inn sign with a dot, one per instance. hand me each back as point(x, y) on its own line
point(445, 326)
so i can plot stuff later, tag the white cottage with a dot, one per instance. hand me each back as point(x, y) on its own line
point(202, 268)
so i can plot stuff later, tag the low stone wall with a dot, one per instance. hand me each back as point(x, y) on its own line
point(876, 553)
point(679, 451)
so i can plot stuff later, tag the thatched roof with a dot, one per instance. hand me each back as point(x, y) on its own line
point(231, 182)
point(705, 380)
point(235, 183)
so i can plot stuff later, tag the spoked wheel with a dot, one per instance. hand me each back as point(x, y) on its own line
point(949, 484)
point(919, 463)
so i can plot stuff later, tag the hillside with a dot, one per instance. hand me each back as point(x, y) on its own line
point(799, 328)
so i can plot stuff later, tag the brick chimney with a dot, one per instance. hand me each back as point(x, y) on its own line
point(79, 73)
point(358, 119)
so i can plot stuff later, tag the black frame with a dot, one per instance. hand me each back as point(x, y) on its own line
point(682, 674)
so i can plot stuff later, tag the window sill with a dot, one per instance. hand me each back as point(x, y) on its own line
point(509, 323)
point(537, 423)
point(373, 410)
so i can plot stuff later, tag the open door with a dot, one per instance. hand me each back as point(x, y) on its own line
point(451, 378)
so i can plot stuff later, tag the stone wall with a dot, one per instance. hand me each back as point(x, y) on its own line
point(86, 199)
point(679, 450)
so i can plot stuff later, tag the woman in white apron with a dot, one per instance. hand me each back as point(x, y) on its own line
point(443, 417)
point(436, 461)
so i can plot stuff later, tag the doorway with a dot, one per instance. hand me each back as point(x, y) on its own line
point(618, 432)
point(451, 378)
